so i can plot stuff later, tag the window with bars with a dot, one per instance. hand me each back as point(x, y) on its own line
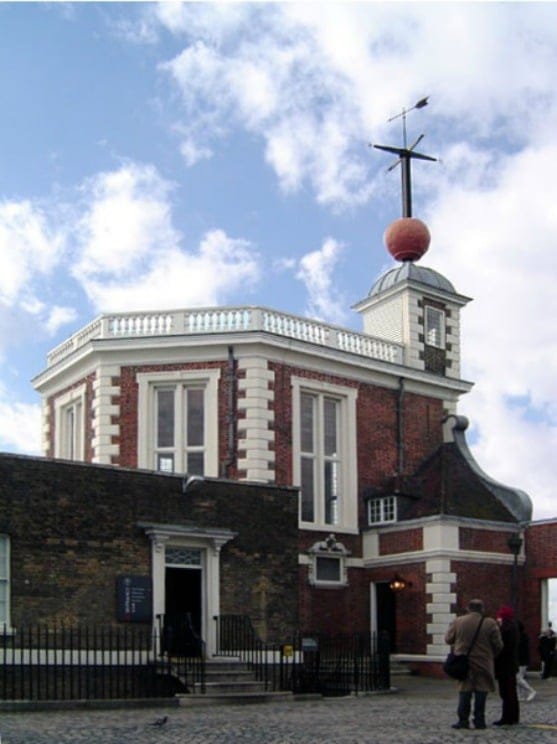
point(382, 510)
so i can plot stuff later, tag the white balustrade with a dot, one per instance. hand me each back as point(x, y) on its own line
point(228, 320)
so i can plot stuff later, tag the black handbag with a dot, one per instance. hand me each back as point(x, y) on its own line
point(456, 665)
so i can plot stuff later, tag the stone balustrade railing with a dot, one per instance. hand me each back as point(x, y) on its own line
point(228, 320)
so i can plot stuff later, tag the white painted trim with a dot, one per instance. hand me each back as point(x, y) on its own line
point(61, 403)
point(146, 381)
point(210, 543)
point(348, 511)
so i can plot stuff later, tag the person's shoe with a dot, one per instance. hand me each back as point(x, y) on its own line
point(499, 723)
point(479, 725)
point(531, 696)
point(461, 725)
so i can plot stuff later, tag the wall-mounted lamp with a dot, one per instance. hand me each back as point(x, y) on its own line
point(191, 483)
point(397, 584)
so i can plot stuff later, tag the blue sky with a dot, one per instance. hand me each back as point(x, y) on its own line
point(168, 155)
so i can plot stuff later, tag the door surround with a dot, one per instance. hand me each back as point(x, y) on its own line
point(210, 542)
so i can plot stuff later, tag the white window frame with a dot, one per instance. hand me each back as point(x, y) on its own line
point(148, 382)
point(5, 580)
point(73, 401)
point(332, 550)
point(347, 507)
point(431, 330)
point(387, 505)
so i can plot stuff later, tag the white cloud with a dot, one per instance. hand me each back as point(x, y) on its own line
point(192, 154)
point(20, 425)
point(59, 316)
point(130, 254)
point(29, 248)
point(220, 267)
point(495, 243)
point(126, 222)
point(317, 271)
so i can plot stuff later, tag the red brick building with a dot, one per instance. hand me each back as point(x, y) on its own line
point(398, 526)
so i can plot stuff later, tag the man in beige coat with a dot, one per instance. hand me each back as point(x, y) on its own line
point(481, 674)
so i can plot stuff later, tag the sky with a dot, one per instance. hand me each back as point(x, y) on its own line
point(175, 155)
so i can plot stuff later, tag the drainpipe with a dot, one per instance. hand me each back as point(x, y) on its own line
point(231, 413)
point(400, 426)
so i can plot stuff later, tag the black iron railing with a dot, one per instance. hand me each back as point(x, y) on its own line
point(39, 662)
point(312, 662)
point(183, 649)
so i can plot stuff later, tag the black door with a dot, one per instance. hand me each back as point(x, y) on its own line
point(386, 612)
point(182, 619)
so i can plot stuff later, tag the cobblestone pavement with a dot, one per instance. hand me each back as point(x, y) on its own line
point(421, 711)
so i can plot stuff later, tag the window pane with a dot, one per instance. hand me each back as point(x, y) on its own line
point(165, 463)
point(330, 428)
point(434, 327)
point(195, 434)
point(195, 464)
point(165, 418)
point(306, 423)
point(331, 492)
point(70, 427)
point(374, 511)
point(389, 509)
point(3, 558)
point(183, 556)
point(327, 569)
point(307, 490)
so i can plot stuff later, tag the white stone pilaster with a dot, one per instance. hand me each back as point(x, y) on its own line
point(254, 435)
point(45, 426)
point(439, 607)
point(103, 412)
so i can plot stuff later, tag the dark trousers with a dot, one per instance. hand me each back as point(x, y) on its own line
point(547, 661)
point(507, 693)
point(464, 705)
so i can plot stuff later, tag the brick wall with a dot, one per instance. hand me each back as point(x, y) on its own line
point(401, 541)
point(541, 563)
point(73, 529)
point(488, 541)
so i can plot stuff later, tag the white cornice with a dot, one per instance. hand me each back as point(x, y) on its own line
point(274, 348)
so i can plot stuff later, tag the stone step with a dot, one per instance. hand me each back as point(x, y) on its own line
point(250, 685)
point(233, 698)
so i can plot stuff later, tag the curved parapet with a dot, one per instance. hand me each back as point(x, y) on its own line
point(517, 502)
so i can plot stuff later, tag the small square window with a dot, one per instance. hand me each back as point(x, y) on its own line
point(382, 510)
point(327, 569)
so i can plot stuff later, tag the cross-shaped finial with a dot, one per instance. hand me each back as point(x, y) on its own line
point(405, 155)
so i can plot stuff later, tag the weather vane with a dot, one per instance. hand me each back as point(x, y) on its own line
point(405, 155)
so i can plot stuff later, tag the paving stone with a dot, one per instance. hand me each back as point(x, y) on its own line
point(421, 711)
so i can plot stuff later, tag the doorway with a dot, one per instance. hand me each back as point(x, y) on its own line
point(183, 617)
point(183, 595)
point(385, 612)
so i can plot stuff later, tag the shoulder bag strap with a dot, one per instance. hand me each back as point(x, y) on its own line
point(475, 635)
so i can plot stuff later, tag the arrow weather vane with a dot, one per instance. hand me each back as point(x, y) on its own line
point(405, 155)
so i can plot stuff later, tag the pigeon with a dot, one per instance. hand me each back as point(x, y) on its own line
point(160, 721)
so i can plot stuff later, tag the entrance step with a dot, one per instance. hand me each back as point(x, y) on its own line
point(399, 668)
point(230, 681)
